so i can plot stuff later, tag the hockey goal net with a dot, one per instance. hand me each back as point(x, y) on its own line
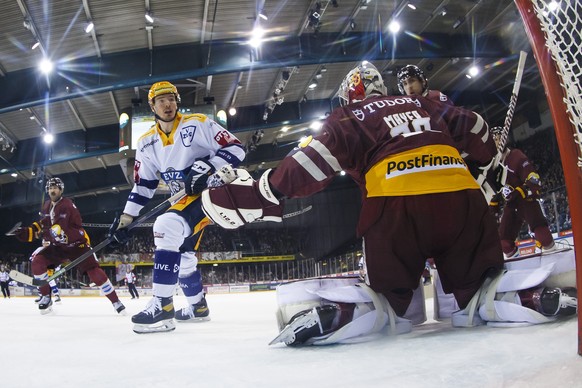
point(554, 30)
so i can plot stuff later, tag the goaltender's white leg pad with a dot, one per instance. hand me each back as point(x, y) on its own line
point(522, 279)
point(304, 294)
point(508, 312)
point(563, 273)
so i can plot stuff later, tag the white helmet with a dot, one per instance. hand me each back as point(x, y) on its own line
point(55, 182)
point(361, 82)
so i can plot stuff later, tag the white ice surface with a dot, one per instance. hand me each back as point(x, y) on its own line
point(85, 344)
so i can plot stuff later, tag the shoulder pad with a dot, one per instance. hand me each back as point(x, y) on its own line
point(195, 116)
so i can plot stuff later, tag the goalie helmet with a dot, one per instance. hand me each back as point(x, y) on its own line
point(55, 182)
point(411, 71)
point(361, 82)
point(163, 87)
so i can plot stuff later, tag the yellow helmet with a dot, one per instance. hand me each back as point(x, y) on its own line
point(163, 87)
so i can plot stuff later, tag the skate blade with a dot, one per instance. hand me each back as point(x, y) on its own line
point(47, 311)
point(159, 327)
point(287, 335)
point(194, 320)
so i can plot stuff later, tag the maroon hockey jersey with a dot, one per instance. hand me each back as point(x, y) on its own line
point(391, 146)
point(521, 171)
point(61, 224)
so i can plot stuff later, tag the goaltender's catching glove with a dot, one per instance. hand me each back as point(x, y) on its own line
point(243, 201)
point(29, 233)
point(197, 178)
point(118, 232)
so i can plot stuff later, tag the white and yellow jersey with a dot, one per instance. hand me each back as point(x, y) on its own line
point(194, 136)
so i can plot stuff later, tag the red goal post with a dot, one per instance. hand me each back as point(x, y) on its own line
point(553, 29)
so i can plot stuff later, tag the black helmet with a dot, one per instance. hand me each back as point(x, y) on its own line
point(55, 182)
point(411, 71)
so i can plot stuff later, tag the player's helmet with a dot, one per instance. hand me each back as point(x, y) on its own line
point(411, 71)
point(496, 132)
point(361, 82)
point(163, 87)
point(55, 182)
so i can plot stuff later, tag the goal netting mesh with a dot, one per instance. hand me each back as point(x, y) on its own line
point(561, 23)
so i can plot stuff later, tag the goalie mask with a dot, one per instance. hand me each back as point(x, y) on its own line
point(163, 87)
point(55, 182)
point(361, 82)
point(411, 71)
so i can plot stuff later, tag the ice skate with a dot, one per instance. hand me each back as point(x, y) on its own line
point(158, 316)
point(308, 325)
point(119, 307)
point(45, 305)
point(38, 299)
point(556, 301)
point(57, 299)
point(194, 313)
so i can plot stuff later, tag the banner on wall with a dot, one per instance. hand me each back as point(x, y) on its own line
point(237, 257)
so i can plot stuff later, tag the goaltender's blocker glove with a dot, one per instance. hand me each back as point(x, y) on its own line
point(118, 232)
point(197, 178)
point(243, 201)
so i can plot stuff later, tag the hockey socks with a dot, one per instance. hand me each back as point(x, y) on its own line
point(191, 285)
point(197, 309)
point(166, 267)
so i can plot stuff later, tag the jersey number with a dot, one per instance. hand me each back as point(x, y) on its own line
point(416, 125)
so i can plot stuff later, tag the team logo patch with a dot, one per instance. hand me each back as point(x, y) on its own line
point(136, 167)
point(359, 114)
point(224, 138)
point(187, 135)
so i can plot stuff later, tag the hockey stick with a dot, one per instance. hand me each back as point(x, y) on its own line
point(512, 101)
point(289, 215)
point(13, 229)
point(23, 278)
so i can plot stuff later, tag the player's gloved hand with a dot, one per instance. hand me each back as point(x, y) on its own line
point(223, 176)
point(28, 233)
point(509, 193)
point(118, 232)
point(243, 201)
point(196, 181)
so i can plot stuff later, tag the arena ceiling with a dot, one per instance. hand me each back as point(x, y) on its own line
point(203, 47)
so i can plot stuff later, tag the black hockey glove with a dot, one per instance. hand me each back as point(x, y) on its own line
point(28, 234)
point(197, 179)
point(118, 232)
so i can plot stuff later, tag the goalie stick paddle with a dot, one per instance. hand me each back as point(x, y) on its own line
point(512, 101)
point(23, 278)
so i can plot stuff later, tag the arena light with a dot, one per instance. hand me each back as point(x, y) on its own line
point(35, 44)
point(394, 26)
point(257, 37)
point(232, 111)
point(263, 15)
point(474, 71)
point(149, 17)
point(48, 138)
point(89, 27)
point(46, 66)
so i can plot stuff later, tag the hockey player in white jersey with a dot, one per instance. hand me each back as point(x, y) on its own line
point(187, 151)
